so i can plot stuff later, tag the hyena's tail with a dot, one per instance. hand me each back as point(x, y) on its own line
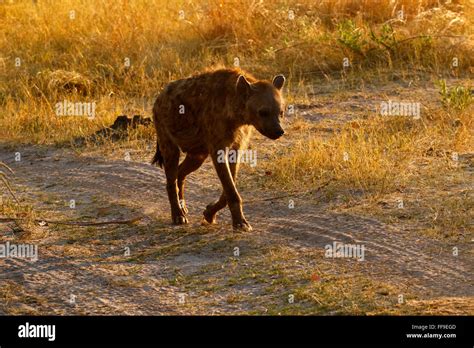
point(158, 158)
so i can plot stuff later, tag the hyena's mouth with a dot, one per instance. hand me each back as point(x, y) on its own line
point(274, 135)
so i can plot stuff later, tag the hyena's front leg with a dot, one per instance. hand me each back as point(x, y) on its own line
point(232, 196)
point(212, 209)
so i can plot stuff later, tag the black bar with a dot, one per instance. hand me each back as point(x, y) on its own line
point(289, 331)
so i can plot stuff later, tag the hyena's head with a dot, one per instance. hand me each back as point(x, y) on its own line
point(263, 104)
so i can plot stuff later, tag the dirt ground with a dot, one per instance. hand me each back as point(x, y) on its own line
point(195, 269)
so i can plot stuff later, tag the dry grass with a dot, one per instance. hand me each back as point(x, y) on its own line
point(81, 55)
point(389, 159)
point(16, 300)
point(380, 151)
point(5, 170)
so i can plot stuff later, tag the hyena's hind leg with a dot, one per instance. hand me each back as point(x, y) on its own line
point(191, 163)
point(170, 153)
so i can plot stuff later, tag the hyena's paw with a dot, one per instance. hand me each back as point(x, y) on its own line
point(242, 226)
point(180, 220)
point(184, 208)
point(209, 216)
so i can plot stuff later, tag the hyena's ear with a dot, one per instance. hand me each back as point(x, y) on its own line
point(243, 86)
point(278, 81)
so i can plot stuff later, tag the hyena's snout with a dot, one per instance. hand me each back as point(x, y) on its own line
point(273, 130)
point(277, 133)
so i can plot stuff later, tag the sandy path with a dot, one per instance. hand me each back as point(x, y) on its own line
point(106, 189)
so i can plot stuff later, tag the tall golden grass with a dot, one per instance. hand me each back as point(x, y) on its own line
point(78, 49)
point(377, 155)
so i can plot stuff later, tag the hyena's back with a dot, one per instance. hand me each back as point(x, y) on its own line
point(194, 111)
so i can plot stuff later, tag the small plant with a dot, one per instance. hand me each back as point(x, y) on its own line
point(456, 98)
point(386, 37)
point(350, 35)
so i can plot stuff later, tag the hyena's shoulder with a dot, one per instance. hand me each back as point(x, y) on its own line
point(211, 87)
point(221, 77)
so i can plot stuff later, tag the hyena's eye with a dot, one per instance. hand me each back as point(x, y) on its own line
point(264, 113)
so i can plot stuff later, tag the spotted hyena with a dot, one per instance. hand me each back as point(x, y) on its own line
point(205, 115)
